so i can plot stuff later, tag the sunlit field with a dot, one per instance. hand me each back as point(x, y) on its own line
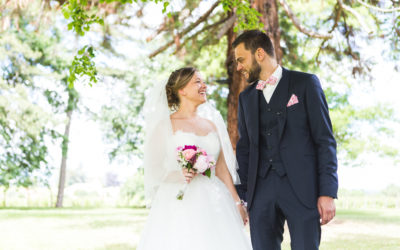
point(119, 228)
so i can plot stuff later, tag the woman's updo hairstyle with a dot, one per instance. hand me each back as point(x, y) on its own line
point(176, 81)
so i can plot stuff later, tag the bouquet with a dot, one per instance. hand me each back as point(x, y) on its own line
point(193, 157)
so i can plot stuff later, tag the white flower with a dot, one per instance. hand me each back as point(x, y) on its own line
point(201, 164)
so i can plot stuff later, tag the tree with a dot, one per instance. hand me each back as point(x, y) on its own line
point(72, 102)
point(30, 59)
point(340, 28)
point(318, 35)
point(132, 191)
point(307, 36)
point(27, 127)
point(337, 19)
point(24, 128)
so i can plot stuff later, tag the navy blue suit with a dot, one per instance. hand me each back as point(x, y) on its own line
point(304, 158)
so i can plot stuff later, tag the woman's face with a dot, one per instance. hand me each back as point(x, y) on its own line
point(195, 91)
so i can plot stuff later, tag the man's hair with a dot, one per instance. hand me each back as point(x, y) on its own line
point(254, 39)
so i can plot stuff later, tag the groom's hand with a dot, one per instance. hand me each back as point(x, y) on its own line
point(326, 208)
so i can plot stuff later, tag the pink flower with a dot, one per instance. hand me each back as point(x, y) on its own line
point(203, 152)
point(211, 160)
point(188, 154)
point(179, 148)
point(201, 164)
point(190, 147)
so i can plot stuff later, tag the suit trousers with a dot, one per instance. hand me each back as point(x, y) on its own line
point(274, 203)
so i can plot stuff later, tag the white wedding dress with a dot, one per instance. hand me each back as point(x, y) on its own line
point(207, 217)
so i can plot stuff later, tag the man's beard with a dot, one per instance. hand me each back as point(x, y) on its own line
point(254, 72)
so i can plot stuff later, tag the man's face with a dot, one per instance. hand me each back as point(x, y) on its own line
point(247, 64)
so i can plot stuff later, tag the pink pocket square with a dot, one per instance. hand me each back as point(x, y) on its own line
point(293, 100)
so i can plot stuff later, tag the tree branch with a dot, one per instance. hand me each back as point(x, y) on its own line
point(39, 18)
point(202, 30)
point(187, 30)
point(338, 11)
point(347, 36)
point(228, 24)
point(377, 8)
point(299, 26)
point(162, 27)
point(165, 25)
point(356, 15)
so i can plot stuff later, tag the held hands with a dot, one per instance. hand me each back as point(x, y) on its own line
point(189, 175)
point(243, 213)
point(326, 208)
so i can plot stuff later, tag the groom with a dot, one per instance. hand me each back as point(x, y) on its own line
point(286, 150)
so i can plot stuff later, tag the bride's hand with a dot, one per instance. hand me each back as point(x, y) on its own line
point(243, 213)
point(189, 175)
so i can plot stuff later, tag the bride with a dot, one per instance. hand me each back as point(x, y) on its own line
point(210, 216)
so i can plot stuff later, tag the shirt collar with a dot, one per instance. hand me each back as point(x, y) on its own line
point(277, 73)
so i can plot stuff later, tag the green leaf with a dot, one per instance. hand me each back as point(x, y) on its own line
point(166, 4)
point(66, 13)
point(208, 173)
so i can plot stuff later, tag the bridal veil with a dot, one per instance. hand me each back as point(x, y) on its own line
point(160, 162)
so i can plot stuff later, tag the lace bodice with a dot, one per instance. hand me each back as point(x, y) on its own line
point(209, 142)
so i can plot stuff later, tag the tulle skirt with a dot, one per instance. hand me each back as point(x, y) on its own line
point(206, 219)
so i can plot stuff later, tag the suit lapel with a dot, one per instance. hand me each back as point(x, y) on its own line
point(283, 98)
point(253, 111)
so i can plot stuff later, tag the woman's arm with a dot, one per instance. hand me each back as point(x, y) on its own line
point(222, 172)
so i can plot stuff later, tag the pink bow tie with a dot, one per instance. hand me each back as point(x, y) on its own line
point(270, 81)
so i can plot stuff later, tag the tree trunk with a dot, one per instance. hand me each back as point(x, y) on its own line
point(270, 19)
point(28, 197)
point(5, 196)
point(61, 182)
point(236, 84)
point(269, 11)
point(51, 197)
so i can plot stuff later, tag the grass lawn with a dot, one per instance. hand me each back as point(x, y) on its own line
point(119, 229)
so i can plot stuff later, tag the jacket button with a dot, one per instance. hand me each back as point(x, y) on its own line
point(269, 109)
point(268, 133)
point(270, 160)
point(278, 113)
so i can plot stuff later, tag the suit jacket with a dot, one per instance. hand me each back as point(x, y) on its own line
point(307, 145)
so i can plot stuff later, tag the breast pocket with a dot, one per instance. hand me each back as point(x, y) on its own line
point(297, 116)
point(293, 107)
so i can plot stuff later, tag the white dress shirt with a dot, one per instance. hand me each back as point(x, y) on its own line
point(269, 89)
